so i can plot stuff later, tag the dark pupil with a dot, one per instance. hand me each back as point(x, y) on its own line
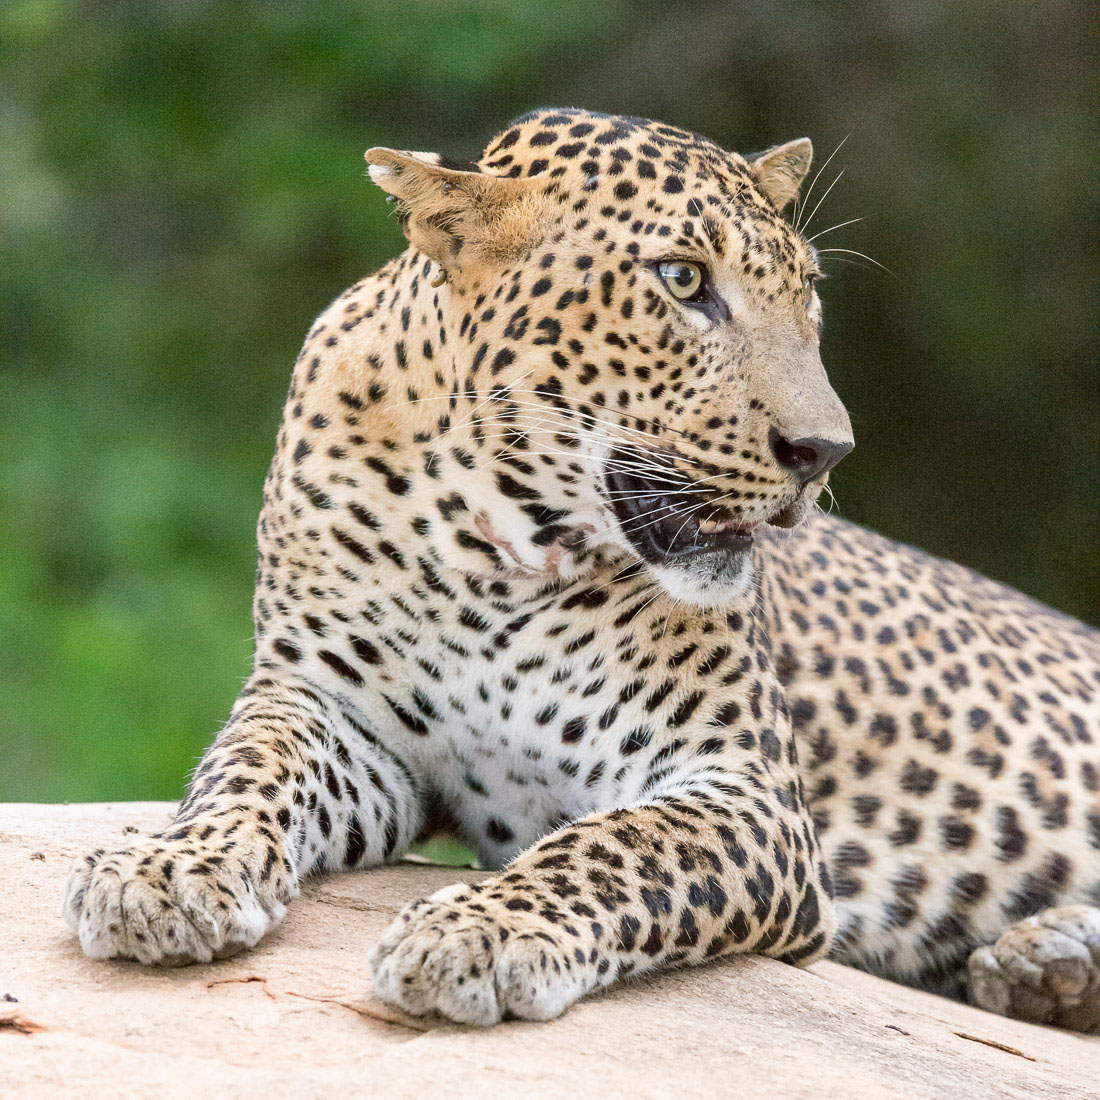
point(683, 276)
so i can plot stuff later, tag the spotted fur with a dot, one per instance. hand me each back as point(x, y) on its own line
point(473, 603)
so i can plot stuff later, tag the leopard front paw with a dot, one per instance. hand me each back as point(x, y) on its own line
point(1045, 969)
point(475, 960)
point(169, 902)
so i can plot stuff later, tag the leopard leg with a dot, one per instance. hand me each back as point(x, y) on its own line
point(1045, 969)
point(713, 866)
point(292, 785)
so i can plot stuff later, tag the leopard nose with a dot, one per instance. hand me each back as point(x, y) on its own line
point(809, 457)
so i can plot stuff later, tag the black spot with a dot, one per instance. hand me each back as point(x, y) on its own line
point(356, 843)
point(503, 358)
point(365, 651)
point(573, 730)
point(340, 667)
point(636, 739)
point(497, 831)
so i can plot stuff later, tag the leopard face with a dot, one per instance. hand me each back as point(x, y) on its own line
point(632, 344)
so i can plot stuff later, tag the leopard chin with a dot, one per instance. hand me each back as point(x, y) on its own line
point(697, 550)
point(707, 580)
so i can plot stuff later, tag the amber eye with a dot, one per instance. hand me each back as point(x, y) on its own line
point(685, 280)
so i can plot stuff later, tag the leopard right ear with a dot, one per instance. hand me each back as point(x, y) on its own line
point(780, 170)
point(458, 216)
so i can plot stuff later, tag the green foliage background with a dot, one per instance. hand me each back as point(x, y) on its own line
point(182, 192)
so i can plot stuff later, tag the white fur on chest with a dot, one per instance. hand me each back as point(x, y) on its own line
point(499, 756)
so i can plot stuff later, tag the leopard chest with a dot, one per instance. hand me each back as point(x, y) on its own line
point(525, 729)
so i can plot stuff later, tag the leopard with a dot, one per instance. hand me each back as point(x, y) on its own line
point(542, 560)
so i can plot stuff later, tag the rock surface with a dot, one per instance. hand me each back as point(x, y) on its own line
point(294, 1016)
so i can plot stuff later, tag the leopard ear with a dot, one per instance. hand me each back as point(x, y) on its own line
point(459, 216)
point(780, 170)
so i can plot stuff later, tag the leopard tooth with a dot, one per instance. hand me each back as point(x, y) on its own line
point(713, 527)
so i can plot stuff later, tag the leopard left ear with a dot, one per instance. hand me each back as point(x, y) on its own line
point(457, 216)
point(780, 170)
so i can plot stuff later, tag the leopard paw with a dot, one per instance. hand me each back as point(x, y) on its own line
point(476, 960)
point(1045, 969)
point(168, 902)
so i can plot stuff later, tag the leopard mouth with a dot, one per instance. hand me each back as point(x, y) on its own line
point(667, 519)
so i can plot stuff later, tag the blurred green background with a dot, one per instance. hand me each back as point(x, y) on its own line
point(183, 191)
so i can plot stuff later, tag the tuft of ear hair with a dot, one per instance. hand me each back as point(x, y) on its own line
point(459, 217)
point(780, 170)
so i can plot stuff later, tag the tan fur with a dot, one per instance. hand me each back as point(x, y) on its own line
point(781, 169)
point(489, 219)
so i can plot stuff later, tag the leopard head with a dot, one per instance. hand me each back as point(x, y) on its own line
point(632, 342)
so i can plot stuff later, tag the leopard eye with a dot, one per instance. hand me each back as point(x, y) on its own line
point(808, 285)
point(684, 280)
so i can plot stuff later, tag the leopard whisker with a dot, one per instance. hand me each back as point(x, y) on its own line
point(839, 225)
point(505, 394)
point(822, 199)
point(801, 208)
point(862, 255)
